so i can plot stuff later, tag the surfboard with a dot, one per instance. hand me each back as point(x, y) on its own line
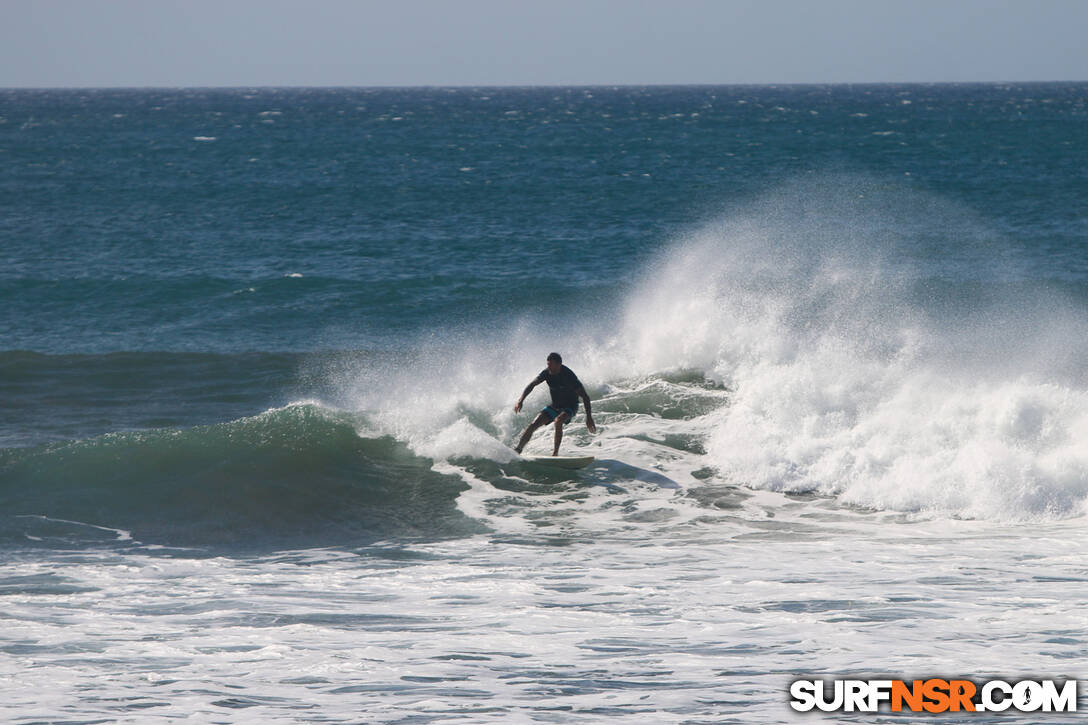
point(561, 461)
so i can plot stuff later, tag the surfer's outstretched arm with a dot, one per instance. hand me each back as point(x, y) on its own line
point(589, 410)
point(528, 389)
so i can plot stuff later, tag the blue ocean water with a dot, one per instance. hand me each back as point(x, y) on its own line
point(259, 350)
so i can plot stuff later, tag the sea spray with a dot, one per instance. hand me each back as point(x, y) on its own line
point(846, 382)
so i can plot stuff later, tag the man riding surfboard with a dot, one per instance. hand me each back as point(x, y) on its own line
point(565, 388)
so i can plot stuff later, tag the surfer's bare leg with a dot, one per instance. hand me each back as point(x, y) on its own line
point(559, 421)
point(540, 420)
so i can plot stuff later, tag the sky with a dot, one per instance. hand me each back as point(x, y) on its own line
point(186, 43)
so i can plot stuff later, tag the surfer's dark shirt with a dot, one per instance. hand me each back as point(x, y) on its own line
point(564, 387)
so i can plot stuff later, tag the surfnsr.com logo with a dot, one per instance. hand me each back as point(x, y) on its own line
point(933, 695)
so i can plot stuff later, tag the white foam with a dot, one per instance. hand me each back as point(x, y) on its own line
point(120, 534)
point(462, 438)
point(844, 385)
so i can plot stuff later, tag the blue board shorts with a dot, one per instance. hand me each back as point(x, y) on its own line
point(554, 413)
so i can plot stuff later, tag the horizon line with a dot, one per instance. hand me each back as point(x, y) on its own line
point(535, 85)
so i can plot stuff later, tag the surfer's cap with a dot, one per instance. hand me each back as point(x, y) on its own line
point(555, 356)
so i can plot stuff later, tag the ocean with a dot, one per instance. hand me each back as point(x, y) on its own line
point(260, 349)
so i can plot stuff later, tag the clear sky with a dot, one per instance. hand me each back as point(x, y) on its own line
point(78, 43)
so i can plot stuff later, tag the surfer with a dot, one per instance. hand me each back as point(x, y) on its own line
point(565, 388)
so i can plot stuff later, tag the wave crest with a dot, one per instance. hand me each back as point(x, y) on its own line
point(299, 475)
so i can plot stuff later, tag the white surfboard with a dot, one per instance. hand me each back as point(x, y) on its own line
point(561, 461)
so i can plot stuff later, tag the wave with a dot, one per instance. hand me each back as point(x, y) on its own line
point(863, 342)
point(870, 343)
point(299, 475)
